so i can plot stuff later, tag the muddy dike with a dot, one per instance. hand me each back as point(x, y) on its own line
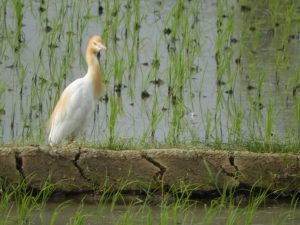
point(86, 170)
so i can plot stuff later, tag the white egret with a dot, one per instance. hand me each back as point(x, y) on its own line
point(76, 104)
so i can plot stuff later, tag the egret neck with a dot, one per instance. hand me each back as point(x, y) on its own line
point(94, 72)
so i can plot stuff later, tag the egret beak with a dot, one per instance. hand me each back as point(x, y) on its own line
point(102, 46)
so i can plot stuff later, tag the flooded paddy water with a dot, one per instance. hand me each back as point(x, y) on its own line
point(193, 214)
point(184, 71)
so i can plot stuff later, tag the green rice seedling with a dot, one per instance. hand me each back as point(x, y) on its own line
point(155, 65)
point(110, 196)
point(287, 29)
point(280, 64)
point(18, 6)
point(176, 122)
point(176, 207)
point(105, 194)
point(79, 218)
point(115, 110)
point(177, 11)
point(2, 92)
point(119, 69)
point(127, 217)
point(220, 40)
point(3, 6)
point(217, 119)
point(274, 8)
point(132, 52)
point(298, 117)
point(233, 215)
point(117, 195)
point(154, 116)
point(163, 215)
point(128, 16)
point(45, 192)
point(57, 212)
point(6, 196)
point(21, 78)
point(182, 60)
point(207, 122)
point(210, 212)
point(236, 129)
point(115, 21)
point(137, 16)
point(269, 124)
point(293, 205)
point(25, 201)
point(256, 200)
point(149, 218)
point(12, 121)
point(107, 20)
point(260, 83)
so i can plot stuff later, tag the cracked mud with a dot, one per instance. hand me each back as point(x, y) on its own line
point(77, 157)
point(84, 170)
point(158, 176)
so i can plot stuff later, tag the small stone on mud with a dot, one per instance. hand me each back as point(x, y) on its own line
point(104, 98)
point(137, 26)
point(230, 91)
point(259, 105)
point(245, 8)
point(100, 10)
point(174, 98)
point(48, 29)
point(238, 60)
point(220, 82)
point(145, 94)
point(252, 28)
point(234, 40)
point(157, 82)
point(51, 45)
point(42, 9)
point(58, 197)
point(250, 87)
point(195, 69)
point(167, 31)
point(295, 89)
point(155, 63)
point(11, 66)
point(118, 88)
point(2, 111)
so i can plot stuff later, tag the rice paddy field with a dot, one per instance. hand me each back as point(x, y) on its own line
point(20, 206)
point(184, 72)
point(174, 71)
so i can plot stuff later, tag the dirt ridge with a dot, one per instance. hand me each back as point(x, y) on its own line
point(87, 169)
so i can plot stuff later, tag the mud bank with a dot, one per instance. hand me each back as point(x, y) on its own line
point(83, 170)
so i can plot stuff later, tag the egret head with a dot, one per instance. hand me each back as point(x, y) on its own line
point(95, 44)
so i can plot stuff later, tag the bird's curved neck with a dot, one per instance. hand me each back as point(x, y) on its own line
point(94, 73)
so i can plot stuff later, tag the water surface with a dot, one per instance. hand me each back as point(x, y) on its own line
point(230, 70)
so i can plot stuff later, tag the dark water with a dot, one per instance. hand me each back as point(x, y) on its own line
point(240, 77)
point(91, 214)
